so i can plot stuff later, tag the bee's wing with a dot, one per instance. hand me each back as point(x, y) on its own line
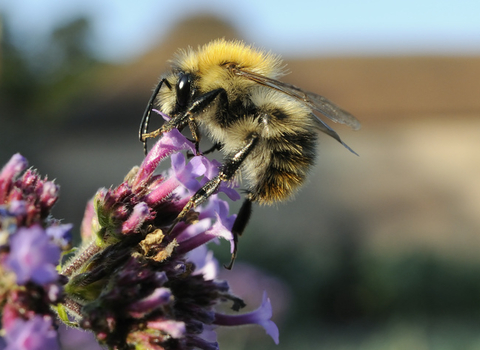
point(315, 102)
point(323, 127)
point(331, 110)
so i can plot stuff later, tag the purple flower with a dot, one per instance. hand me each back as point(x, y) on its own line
point(75, 338)
point(89, 222)
point(212, 171)
point(262, 316)
point(187, 174)
point(175, 329)
point(160, 296)
point(15, 166)
point(204, 262)
point(141, 279)
point(34, 334)
point(203, 231)
point(133, 284)
point(33, 256)
point(60, 234)
point(181, 174)
point(171, 142)
point(31, 243)
point(29, 197)
point(138, 216)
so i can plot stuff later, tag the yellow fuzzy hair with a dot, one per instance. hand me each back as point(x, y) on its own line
point(209, 60)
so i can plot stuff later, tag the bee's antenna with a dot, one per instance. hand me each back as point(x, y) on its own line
point(146, 116)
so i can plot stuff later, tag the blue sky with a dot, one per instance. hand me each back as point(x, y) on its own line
point(124, 29)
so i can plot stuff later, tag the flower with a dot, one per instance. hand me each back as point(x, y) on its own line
point(142, 279)
point(30, 247)
point(34, 334)
point(33, 257)
point(29, 197)
point(261, 316)
point(140, 282)
point(61, 234)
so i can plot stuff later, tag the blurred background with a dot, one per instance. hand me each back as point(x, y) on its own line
point(378, 251)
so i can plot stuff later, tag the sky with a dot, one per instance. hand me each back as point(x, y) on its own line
point(123, 30)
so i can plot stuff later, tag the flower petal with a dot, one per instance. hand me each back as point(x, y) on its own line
point(15, 166)
point(34, 334)
point(159, 297)
point(60, 234)
point(33, 256)
point(138, 216)
point(170, 142)
point(260, 316)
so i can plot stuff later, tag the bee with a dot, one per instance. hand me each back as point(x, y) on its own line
point(266, 128)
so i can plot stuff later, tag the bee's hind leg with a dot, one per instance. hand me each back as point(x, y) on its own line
point(239, 225)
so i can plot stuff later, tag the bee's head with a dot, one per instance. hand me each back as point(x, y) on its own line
point(177, 93)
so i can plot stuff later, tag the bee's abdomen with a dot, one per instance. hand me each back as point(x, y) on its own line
point(290, 159)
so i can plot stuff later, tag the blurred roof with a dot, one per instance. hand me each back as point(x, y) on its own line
point(372, 88)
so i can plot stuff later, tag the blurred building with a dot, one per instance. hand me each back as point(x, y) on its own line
point(414, 189)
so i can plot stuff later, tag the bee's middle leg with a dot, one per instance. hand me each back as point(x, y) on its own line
point(227, 173)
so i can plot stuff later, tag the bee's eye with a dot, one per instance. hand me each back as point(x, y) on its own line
point(183, 89)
